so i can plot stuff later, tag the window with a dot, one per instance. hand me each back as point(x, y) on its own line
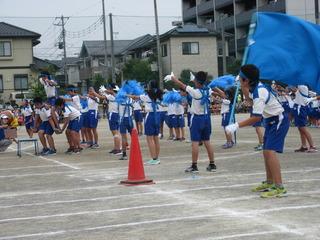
point(21, 82)
point(5, 49)
point(1, 84)
point(190, 48)
point(164, 50)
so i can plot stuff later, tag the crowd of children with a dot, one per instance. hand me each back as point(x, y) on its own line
point(273, 106)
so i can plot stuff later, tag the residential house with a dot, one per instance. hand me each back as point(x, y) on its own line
point(189, 47)
point(92, 59)
point(16, 59)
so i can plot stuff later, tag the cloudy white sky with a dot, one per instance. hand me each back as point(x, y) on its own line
point(133, 18)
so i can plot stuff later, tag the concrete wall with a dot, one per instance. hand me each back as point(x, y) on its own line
point(205, 61)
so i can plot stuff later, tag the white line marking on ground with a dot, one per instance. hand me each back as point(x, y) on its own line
point(166, 220)
point(30, 167)
point(241, 235)
point(90, 212)
point(51, 160)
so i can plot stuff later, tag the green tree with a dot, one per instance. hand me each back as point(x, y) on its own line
point(139, 70)
point(37, 89)
point(98, 80)
point(234, 67)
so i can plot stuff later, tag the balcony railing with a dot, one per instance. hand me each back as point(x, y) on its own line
point(205, 7)
point(223, 3)
point(189, 14)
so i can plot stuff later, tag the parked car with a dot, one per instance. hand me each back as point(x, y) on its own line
point(18, 97)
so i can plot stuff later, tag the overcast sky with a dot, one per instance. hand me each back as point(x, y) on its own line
point(84, 13)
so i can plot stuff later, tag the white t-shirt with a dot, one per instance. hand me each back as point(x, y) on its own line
point(148, 103)
point(179, 109)
point(261, 106)
point(171, 109)
point(50, 90)
point(125, 110)
point(27, 111)
point(137, 105)
point(76, 102)
point(196, 106)
point(301, 95)
point(71, 113)
point(163, 108)
point(113, 105)
point(43, 113)
point(225, 106)
point(93, 104)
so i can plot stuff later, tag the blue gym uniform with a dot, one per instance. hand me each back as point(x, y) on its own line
point(92, 115)
point(225, 112)
point(152, 120)
point(125, 112)
point(200, 121)
point(28, 118)
point(137, 111)
point(300, 108)
point(180, 115)
point(276, 121)
point(113, 113)
point(45, 115)
point(171, 117)
point(74, 118)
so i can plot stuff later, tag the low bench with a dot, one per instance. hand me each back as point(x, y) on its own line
point(26, 140)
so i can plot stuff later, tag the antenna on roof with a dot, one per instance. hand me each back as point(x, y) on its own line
point(177, 23)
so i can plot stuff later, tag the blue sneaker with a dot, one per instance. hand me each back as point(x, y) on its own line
point(44, 151)
point(51, 152)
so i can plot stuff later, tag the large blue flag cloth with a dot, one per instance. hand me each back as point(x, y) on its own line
point(286, 49)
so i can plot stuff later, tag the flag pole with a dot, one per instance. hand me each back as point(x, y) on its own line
point(252, 29)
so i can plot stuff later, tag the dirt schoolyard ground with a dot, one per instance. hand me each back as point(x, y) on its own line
point(79, 196)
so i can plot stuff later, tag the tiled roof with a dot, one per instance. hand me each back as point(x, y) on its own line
point(8, 30)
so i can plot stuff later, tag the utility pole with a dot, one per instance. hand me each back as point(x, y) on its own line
point(105, 36)
point(235, 29)
point(112, 50)
point(158, 45)
point(223, 40)
point(316, 8)
point(62, 24)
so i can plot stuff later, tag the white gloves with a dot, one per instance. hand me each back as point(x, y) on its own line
point(192, 77)
point(168, 77)
point(237, 78)
point(232, 128)
point(102, 89)
point(309, 100)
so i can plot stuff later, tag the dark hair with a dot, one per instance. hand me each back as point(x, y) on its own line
point(201, 77)
point(230, 93)
point(251, 73)
point(59, 102)
point(37, 100)
point(153, 91)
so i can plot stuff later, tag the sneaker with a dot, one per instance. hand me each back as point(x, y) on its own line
point(212, 167)
point(69, 151)
point(177, 139)
point(123, 158)
point(192, 169)
point(160, 136)
point(95, 146)
point(51, 152)
point(301, 149)
point(117, 152)
point(312, 150)
point(83, 142)
point(153, 162)
point(263, 187)
point(44, 151)
point(227, 145)
point(275, 192)
point(112, 151)
point(259, 147)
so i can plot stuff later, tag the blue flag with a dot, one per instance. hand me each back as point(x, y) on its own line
point(286, 49)
point(225, 82)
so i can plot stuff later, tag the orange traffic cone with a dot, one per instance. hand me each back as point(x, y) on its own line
point(136, 171)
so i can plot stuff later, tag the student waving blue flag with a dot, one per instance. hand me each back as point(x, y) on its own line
point(286, 49)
